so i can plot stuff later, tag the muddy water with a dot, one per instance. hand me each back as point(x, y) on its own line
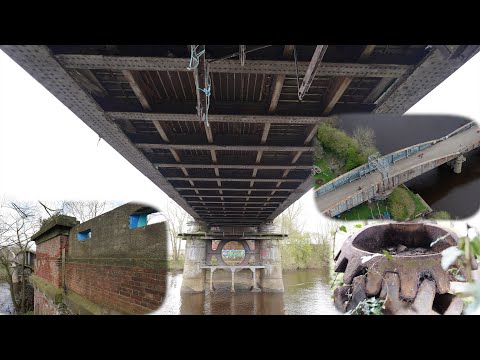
point(6, 305)
point(306, 292)
point(441, 188)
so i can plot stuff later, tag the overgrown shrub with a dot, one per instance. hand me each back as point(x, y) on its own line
point(299, 253)
point(338, 142)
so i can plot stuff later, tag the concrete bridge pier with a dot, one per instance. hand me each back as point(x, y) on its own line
point(271, 278)
point(261, 251)
point(457, 164)
point(382, 195)
point(195, 257)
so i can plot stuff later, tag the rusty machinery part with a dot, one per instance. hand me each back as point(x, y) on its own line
point(362, 254)
point(426, 302)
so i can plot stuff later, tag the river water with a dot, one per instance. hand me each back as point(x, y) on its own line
point(307, 292)
point(6, 305)
point(441, 188)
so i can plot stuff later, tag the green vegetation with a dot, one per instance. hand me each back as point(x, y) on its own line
point(401, 205)
point(338, 142)
point(337, 153)
point(462, 256)
point(326, 174)
point(369, 306)
point(298, 252)
point(440, 215)
point(364, 211)
point(175, 266)
point(404, 204)
point(304, 250)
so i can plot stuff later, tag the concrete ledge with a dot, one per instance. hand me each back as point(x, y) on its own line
point(56, 225)
point(49, 290)
point(82, 306)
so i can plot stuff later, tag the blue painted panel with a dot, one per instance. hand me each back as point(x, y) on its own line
point(137, 220)
point(84, 235)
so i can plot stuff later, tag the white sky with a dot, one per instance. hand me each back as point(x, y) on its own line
point(47, 152)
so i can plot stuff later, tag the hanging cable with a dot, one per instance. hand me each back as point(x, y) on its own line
point(206, 91)
point(194, 57)
point(242, 55)
point(296, 69)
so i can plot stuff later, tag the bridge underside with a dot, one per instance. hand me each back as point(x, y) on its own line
point(253, 158)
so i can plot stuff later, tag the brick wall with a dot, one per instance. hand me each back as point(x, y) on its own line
point(127, 289)
point(48, 261)
point(115, 270)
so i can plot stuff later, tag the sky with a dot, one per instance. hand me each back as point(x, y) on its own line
point(48, 153)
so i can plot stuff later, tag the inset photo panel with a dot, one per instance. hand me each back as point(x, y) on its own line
point(379, 166)
point(81, 258)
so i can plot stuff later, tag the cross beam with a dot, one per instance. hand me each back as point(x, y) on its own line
point(142, 63)
point(233, 166)
point(224, 147)
point(213, 118)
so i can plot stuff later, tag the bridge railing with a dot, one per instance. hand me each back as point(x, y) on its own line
point(391, 158)
point(461, 129)
point(365, 169)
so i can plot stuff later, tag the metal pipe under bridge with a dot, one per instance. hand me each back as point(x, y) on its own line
point(370, 181)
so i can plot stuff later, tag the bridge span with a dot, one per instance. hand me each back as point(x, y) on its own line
point(380, 177)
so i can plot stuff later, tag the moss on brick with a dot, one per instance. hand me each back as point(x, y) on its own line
point(146, 263)
point(82, 306)
point(49, 290)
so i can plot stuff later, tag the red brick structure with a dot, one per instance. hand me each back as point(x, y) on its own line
point(102, 266)
point(128, 289)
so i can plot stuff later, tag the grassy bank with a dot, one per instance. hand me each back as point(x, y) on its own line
point(402, 204)
point(326, 174)
point(364, 211)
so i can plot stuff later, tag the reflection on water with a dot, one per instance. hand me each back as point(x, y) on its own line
point(442, 189)
point(306, 292)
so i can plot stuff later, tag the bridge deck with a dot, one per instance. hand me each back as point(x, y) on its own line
point(445, 148)
point(253, 159)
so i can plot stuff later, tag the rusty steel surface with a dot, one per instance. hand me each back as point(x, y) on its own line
point(411, 269)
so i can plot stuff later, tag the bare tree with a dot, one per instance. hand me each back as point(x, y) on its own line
point(86, 210)
point(18, 222)
point(177, 219)
point(325, 233)
point(365, 137)
point(289, 220)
